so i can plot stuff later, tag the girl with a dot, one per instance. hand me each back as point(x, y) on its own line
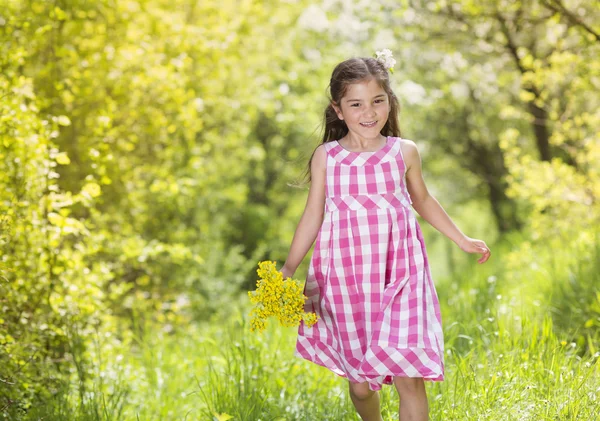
point(369, 278)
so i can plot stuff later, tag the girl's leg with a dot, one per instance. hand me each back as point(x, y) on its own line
point(366, 401)
point(413, 398)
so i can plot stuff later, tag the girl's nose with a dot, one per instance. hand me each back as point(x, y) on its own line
point(370, 111)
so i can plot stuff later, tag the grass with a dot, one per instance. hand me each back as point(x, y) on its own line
point(510, 355)
point(493, 373)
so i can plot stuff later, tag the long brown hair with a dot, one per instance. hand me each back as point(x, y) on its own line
point(347, 72)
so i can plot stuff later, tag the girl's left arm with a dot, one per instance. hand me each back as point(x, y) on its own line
point(430, 209)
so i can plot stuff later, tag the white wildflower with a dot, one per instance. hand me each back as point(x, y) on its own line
point(385, 56)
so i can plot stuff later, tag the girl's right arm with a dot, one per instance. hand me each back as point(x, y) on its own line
point(312, 217)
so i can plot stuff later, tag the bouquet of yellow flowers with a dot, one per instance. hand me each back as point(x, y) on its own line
point(277, 297)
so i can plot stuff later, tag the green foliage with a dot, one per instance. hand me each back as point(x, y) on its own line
point(35, 226)
point(140, 170)
point(477, 73)
point(147, 149)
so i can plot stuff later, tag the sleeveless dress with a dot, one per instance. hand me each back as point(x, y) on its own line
point(369, 278)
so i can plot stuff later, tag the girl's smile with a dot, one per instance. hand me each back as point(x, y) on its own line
point(369, 124)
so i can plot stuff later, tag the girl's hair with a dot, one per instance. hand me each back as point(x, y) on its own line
point(348, 72)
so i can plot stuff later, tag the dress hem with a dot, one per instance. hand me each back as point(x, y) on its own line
point(375, 379)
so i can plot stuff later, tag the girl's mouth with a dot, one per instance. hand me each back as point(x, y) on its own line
point(369, 124)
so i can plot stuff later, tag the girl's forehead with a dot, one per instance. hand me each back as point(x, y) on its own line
point(367, 87)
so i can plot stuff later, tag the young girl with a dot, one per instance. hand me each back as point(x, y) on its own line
point(369, 278)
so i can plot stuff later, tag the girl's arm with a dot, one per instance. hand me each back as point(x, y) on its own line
point(429, 208)
point(312, 217)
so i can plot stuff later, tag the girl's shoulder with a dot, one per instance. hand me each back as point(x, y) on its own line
point(321, 152)
point(409, 151)
point(405, 143)
point(318, 160)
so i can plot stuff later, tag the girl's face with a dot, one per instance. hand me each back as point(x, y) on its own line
point(365, 108)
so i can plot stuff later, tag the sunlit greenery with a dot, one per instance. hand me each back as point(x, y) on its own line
point(152, 154)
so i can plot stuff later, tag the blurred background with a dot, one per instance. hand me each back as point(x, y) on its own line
point(153, 153)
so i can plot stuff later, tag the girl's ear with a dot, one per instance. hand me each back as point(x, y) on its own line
point(337, 110)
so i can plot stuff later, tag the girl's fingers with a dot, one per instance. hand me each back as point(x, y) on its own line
point(485, 255)
point(480, 247)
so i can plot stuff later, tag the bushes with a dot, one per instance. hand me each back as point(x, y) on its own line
point(36, 256)
point(125, 162)
point(575, 301)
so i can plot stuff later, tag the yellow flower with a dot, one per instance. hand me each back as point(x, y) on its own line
point(275, 296)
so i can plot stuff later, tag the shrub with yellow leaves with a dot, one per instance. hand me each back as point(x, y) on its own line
point(275, 296)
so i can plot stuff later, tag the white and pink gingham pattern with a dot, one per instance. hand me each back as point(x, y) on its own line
point(369, 278)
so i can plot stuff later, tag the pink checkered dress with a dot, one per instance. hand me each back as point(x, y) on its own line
point(369, 278)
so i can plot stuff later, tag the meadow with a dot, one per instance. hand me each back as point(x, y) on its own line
point(513, 352)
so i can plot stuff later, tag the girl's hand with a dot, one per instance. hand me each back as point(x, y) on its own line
point(472, 245)
point(287, 273)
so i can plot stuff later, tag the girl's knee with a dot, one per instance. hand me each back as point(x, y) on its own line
point(409, 385)
point(360, 391)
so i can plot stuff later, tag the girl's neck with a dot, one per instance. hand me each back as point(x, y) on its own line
point(354, 143)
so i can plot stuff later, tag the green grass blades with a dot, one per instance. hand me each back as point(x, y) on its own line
point(495, 370)
point(510, 355)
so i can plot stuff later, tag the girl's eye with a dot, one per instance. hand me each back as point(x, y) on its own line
point(356, 104)
point(377, 101)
